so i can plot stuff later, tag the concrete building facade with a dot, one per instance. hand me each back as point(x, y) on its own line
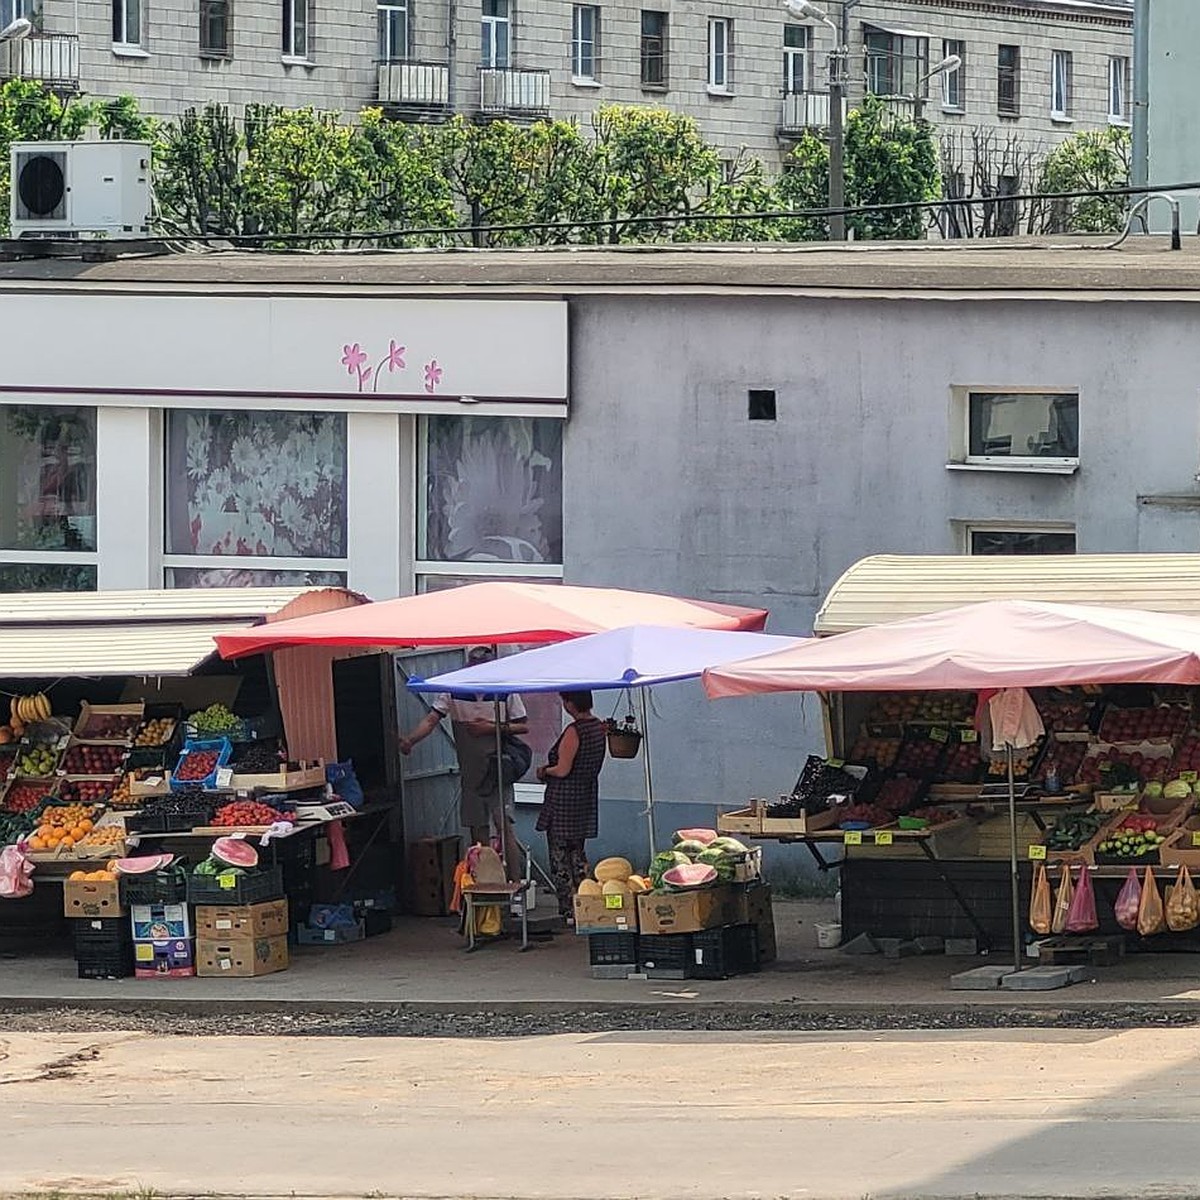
point(752, 75)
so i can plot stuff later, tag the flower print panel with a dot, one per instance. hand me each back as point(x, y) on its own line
point(267, 485)
point(493, 490)
point(223, 577)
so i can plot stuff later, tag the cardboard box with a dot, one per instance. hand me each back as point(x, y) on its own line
point(241, 958)
point(84, 899)
point(606, 914)
point(160, 922)
point(242, 922)
point(172, 959)
point(431, 864)
point(691, 912)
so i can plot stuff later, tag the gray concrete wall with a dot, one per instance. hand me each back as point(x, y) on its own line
point(1174, 145)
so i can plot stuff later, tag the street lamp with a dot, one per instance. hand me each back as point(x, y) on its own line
point(14, 31)
point(950, 63)
point(838, 56)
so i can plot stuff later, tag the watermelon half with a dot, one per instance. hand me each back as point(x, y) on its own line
point(703, 836)
point(143, 865)
point(235, 853)
point(695, 875)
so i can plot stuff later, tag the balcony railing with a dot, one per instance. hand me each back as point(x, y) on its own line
point(415, 88)
point(514, 92)
point(803, 111)
point(52, 58)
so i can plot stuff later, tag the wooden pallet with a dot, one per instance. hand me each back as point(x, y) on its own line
point(1097, 950)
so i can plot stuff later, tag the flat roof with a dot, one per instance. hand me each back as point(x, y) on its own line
point(1052, 268)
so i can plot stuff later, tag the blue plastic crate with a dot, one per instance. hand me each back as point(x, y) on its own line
point(225, 752)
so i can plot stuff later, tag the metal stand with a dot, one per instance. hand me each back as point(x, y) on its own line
point(1012, 850)
point(646, 769)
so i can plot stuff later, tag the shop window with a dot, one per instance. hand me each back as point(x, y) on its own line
point(47, 498)
point(1017, 430)
point(491, 495)
point(222, 577)
point(1023, 539)
point(255, 485)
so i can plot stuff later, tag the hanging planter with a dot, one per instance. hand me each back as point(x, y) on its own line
point(624, 737)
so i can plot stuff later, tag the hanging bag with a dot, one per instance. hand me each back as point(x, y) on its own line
point(1082, 916)
point(1183, 905)
point(1129, 900)
point(1150, 909)
point(1062, 901)
point(1041, 903)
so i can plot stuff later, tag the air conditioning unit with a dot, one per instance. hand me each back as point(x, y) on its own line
point(80, 189)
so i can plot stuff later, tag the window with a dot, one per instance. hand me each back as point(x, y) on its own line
point(1024, 429)
point(1060, 84)
point(214, 28)
point(953, 82)
point(394, 45)
point(585, 41)
point(796, 48)
point(760, 404)
point(1008, 81)
point(127, 23)
point(11, 10)
point(1118, 91)
point(496, 30)
point(47, 498)
point(896, 64)
point(268, 488)
point(720, 53)
point(654, 49)
point(295, 29)
point(1020, 539)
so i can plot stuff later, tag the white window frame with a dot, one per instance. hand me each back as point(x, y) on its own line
point(964, 530)
point(490, 23)
point(123, 27)
point(10, 10)
point(393, 14)
point(720, 56)
point(585, 68)
point(296, 50)
point(961, 458)
point(797, 60)
point(955, 80)
point(1061, 71)
point(1119, 81)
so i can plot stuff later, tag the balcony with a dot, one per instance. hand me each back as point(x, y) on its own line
point(52, 58)
point(414, 90)
point(803, 111)
point(514, 93)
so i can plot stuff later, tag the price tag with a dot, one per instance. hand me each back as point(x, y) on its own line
point(228, 882)
point(939, 735)
point(969, 735)
point(1196, 838)
point(1188, 776)
point(1037, 853)
point(224, 776)
point(835, 762)
point(614, 901)
point(883, 838)
point(853, 837)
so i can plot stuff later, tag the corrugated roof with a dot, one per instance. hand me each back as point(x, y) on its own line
point(891, 587)
point(152, 648)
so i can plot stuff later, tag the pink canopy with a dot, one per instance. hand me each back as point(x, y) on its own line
point(995, 644)
point(489, 614)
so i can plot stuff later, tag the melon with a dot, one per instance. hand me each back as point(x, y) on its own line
point(615, 887)
point(694, 875)
point(690, 848)
point(235, 853)
point(703, 836)
point(589, 887)
point(613, 868)
point(638, 884)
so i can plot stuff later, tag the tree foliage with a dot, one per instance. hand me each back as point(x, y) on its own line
point(1094, 159)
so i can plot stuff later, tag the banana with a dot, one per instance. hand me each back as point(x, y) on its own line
point(43, 706)
point(13, 713)
point(23, 708)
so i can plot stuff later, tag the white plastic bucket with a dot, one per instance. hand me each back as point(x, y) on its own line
point(829, 935)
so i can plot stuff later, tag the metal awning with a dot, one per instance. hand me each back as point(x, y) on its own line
point(891, 587)
point(139, 649)
point(895, 30)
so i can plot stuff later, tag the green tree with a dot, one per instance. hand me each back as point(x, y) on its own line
point(1094, 159)
point(198, 174)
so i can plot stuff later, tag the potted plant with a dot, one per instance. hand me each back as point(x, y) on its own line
point(624, 737)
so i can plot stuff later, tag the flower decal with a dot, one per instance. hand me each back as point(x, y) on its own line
point(353, 357)
point(395, 357)
point(433, 375)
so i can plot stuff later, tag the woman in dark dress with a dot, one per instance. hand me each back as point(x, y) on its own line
point(570, 810)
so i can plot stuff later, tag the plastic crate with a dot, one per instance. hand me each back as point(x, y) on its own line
point(720, 953)
point(236, 889)
point(97, 936)
point(116, 966)
point(666, 955)
point(179, 820)
point(159, 887)
point(612, 949)
point(224, 748)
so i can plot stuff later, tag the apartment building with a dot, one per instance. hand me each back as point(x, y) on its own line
point(751, 74)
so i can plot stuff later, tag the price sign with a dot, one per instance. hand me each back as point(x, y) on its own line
point(227, 882)
point(835, 762)
point(1188, 776)
point(939, 735)
point(614, 901)
point(853, 837)
point(883, 838)
point(1037, 853)
point(224, 776)
point(1196, 838)
point(969, 735)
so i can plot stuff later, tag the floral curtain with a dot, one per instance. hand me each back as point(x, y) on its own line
point(222, 577)
point(256, 483)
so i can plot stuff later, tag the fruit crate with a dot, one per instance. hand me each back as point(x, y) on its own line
point(613, 949)
point(98, 937)
point(228, 888)
point(224, 748)
point(178, 820)
point(666, 955)
point(93, 719)
point(168, 886)
point(118, 965)
point(721, 953)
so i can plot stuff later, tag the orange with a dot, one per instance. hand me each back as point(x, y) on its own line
point(77, 875)
point(36, 843)
point(67, 843)
point(86, 825)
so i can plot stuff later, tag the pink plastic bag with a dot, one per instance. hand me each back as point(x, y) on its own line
point(1082, 915)
point(1129, 900)
point(15, 872)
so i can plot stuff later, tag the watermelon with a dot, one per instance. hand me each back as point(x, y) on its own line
point(664, 862)
point(144, 865)
point(690, 848)
point(719, 861)
point(729, 846)
point(235, 853)
point(694, 875)
point(703, 836)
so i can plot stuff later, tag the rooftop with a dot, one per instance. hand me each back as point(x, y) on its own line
point(1142, 268)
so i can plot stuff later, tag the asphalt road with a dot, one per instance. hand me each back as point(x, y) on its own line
point(740, 1115)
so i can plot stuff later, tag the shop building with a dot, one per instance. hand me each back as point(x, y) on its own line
point(737, 426)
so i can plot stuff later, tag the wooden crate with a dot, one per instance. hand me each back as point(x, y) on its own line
point(742, 820)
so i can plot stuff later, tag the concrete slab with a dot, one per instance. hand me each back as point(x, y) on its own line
point(1044, 979)
point(979, 979)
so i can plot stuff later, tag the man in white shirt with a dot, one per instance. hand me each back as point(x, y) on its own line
point(474, 726)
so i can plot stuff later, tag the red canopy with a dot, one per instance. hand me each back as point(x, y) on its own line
point(489, 614)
